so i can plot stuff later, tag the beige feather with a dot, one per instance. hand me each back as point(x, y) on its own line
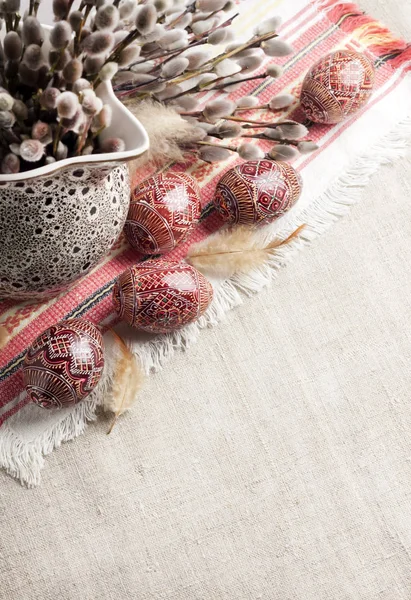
point(4, 337)
point(128, 381)
point(166, 130)
point(234, 250)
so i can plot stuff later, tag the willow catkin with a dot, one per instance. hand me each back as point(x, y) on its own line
point(306, 147)
point(107, 17)
point(73, 70)
point(283, 152)
point(31, 150)
point(67, 104)
point(146, 19)
point(276, 47)
point(60, 35)
point(112, 144)
point(268, 26)
point(249, 151)
point(99, 42)
point(12, 45)
point(281, 101)
point(42, 132)
point(292, 130)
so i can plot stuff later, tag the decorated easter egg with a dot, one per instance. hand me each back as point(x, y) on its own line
point(163, 210)
point(337, 86)
point(64, 364)
point(160, 296)
point(257, 190)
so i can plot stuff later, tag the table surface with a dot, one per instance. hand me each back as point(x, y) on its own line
point(292, 479)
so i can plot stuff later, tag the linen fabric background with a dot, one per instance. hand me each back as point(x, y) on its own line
point(273, 461)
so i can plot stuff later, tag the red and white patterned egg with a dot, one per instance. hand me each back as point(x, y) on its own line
point(257, 190)
point(160, 296)
point(337, 86)
point(64, 364)
point(163, 210)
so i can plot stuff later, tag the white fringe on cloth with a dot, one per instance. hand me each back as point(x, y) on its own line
point(25, 459)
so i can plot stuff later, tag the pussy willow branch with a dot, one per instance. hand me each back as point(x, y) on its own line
point(218, 59)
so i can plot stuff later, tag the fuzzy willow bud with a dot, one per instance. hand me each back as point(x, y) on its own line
point(107, 17)
point(218, 108)
point(227, 67)
point(112, 144)
point(20, 110)
point(108, 71)
point(276, 47)
point(247, 102)
point(306, 147)
point(31, 150)
point(174, 39)
point(90, 103)
point(99, 42)
point(174, 67)
point(62, 151)
point(283, 152)
point(268, 26)
point(42, 132)
point(127, 8)
point(73, 70)
point(213, 154)
point(274, 71)
point(249, 151)
point(59, 59)
point(281, 101)
point(146, 19)
point(103, 119)
point(7, 119)
point(67, 104)
point(33, 57)
point(32, 32)
point(12, 45)
point(6, 101)
point(60, 35)
point(48, 98)
point(75, 20)
point(11, 6)
point(75, 122)
point(210, 6)
point(93, 64)
point(293, 130)
point(227, 129)
point(10, 164)
point(60, 8)
point(220, 36)
point(129, 55)
point(80, 85)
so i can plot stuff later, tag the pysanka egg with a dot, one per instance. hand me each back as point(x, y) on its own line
point(257, 190)
point(160, 296)
point(64, 364)
point(163, 210)
point(337, 86)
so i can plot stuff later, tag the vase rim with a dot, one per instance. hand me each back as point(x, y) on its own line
point(136, 131)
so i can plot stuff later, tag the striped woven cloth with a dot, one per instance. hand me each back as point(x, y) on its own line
point(348, 153)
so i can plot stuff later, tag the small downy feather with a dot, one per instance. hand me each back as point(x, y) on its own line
point(166, 130)
point(234, 250)
point(4, 336)
point(128, 381)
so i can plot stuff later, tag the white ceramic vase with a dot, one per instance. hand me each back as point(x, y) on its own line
point(58, 221)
